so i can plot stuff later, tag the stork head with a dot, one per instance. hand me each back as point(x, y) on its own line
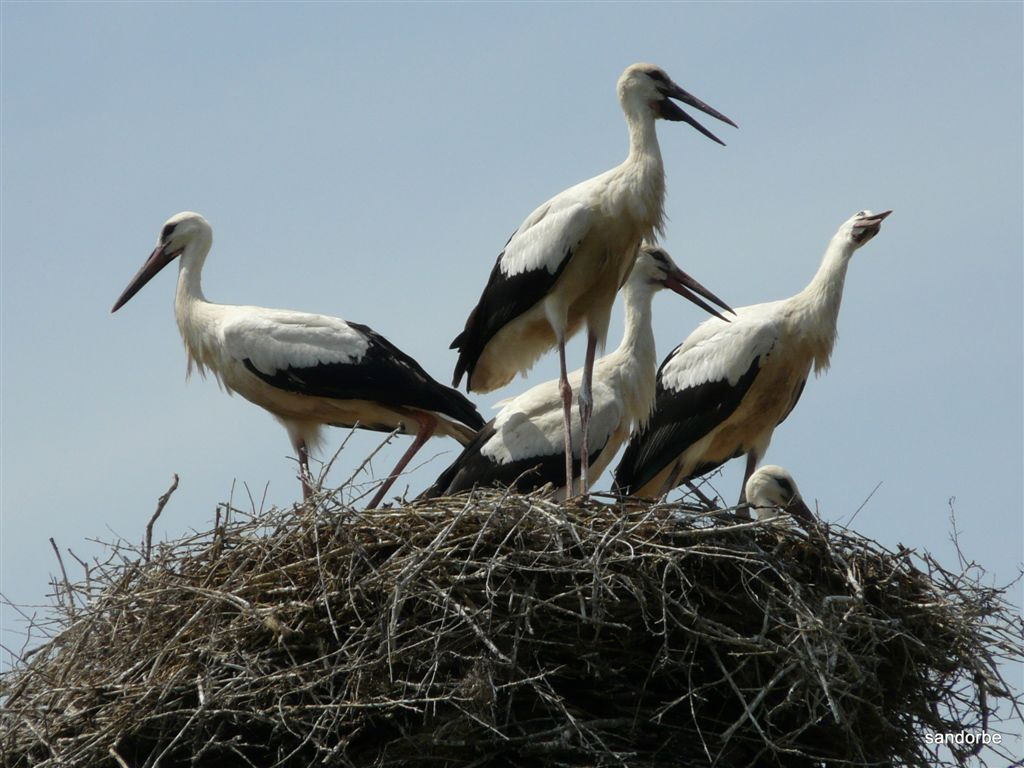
point(772, 488)
point(178, 233)
point(862, 226)
point(654, 270)
point(647, 87)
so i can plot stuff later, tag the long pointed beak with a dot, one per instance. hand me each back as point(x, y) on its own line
point(869, 226)
point(669, 110)
point(688, 288)
point(800, 512)
point(157, 260)
point(876, 218)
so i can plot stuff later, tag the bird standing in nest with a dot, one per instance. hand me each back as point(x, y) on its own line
point(562, 267)
point(307, 370)
point(724, 390)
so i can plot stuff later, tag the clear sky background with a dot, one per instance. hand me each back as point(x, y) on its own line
point(370, 161)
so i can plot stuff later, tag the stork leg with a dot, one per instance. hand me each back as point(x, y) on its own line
point(696, 491)
point(752, 461)
point(671, 480)
point(566, 392)
point(427, 425)
point(586, 401)
point(304, 474)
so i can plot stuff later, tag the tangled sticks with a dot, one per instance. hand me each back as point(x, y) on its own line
point(500, 630)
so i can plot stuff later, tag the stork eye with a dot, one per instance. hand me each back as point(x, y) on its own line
point(166, 232)
point(786, 486)
point(658, 76)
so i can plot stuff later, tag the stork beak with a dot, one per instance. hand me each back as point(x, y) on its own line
point(688, 288)
point(158, 259)
point(868, 226)
point(669, 110)
point(800, 512)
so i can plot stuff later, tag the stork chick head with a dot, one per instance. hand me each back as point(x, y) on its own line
point(178, 232)
point(647, 87)
point(772, 488)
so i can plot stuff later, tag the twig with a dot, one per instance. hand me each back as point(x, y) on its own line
point(862, 504)
point(462, 630)
point(64, 574)
point(386, 441)
point(117, 757)
point(160, 504)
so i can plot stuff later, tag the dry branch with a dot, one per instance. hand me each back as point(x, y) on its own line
point(503, 630)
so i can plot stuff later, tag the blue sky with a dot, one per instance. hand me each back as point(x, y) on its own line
point(369, 162)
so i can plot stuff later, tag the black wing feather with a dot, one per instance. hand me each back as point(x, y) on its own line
point(503, 299)
point(472, 470)
point(680, 418)
point(385, 375)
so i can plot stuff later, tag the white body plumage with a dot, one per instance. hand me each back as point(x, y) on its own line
point(522, 447)
point(307, 370)
point(722, 392)
point(563, 266)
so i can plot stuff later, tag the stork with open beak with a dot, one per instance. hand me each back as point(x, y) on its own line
point(562, 267)
point(522, 446)
point(724, 390)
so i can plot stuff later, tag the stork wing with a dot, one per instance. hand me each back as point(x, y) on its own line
point(523, 446)
point(277, 339)
point(531, 425)
point(462, 473)
point(700, 384)
point(542, 241)
point(525, 271)
point(327, 357)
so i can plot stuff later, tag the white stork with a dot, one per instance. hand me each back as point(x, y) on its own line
point(563, 265)
point(722, 392)
point(307, 370)
point(772, 488)
point(523, 446)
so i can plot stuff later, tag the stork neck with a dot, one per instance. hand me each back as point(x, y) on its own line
point(634, 360)
point(643, 139)
point(190, 305)
point(637, 347)
point(190, 271)
point(640, 186)
point(826, 287)
point(818, 304)
point(189, 293)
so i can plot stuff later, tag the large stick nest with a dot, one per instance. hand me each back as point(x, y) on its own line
point(504, 630)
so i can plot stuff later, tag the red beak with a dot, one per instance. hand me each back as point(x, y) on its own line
point(157, 260)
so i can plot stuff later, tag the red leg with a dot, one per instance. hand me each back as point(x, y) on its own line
point(427, 425)
point(586, 411)
point(566, 390)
